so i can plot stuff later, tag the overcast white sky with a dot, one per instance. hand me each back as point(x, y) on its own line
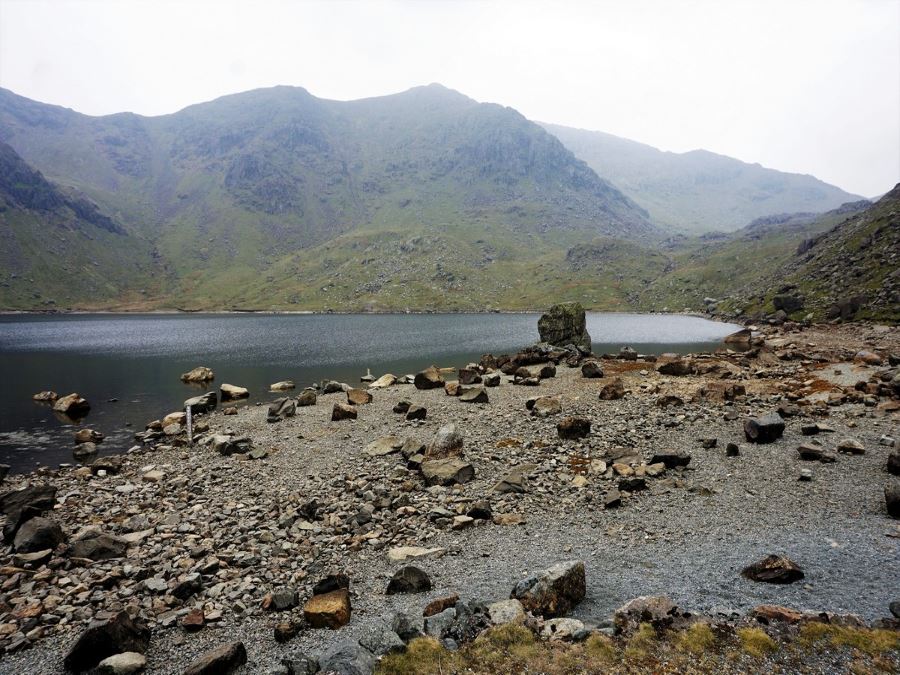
point(811, 86)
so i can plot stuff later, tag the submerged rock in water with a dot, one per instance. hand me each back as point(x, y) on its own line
point(199, 374)
point(284, 385)
point(565, 324)
point(72, 405)
point(45, 396)
point(231, 392)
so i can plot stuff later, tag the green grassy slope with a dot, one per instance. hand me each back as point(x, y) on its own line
point(697, 191)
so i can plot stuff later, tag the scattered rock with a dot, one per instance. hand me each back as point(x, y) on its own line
point(612, 391)
point(122, 664)
point(348, 658)
point(765, 429)
point(448, 471)
point(202, 404)
point(545, 406)
point(892, 499)
point(306, 398)
point(284, 385)
point(552, 592)
point(107, 638)
point(447, 442)
point(657, 610)
point(72, 405)
point(38, 534)
point(281, 408)
point(474, 395)
point(45, 397)
point(573, 428)
point(409, 579)
point(231, 392)
point(591, 369)
point(328, 610)
point(358, 397)
point(430, 378)
point(222, 660)
point(342, 411)
point(774, 569)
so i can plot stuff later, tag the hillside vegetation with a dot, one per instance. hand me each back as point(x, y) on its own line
point(421, 201)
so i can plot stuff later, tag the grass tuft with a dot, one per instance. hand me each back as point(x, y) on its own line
point(756, 642)
point(696, 639)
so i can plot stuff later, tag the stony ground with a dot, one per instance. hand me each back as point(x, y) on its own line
point(246, 524)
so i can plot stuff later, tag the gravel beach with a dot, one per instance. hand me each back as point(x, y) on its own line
point(317, 503)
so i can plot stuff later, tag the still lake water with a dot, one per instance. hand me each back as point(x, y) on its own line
point(138, 359)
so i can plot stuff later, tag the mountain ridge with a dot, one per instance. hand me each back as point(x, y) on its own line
point(699, 190)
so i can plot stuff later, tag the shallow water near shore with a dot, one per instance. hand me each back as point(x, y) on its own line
point(137, 359)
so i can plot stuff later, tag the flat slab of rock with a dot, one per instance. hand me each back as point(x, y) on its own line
point(401, 553)
point(284, 385)
point(122, 664)
point(448, 471)
point(222, 660)
point(553, 592)
point(474, 395)
point(383, 446)
point(386, 380)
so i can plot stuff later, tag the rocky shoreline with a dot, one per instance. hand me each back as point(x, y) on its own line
point(641, 468)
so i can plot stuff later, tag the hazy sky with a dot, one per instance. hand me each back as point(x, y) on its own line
point(806, 86)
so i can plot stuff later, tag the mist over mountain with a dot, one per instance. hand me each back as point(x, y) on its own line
point(697, 191)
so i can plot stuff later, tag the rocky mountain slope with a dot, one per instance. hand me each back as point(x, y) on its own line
point(235, 193)
point(57, 246)
point(697, 191)
point(850, 270)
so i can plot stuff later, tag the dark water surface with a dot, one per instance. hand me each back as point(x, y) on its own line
point(138, 359)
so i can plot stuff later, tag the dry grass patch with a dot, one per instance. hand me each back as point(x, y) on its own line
point(756, 642)
point(697, 639)
point(871, 641)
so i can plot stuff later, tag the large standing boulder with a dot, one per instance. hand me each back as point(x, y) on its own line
point(105, 638)
point(430, 378)
point(552, 592)
point(222, 660)
point(21, 505)
point(565, 324)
